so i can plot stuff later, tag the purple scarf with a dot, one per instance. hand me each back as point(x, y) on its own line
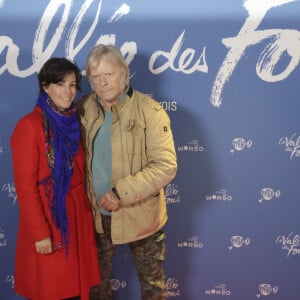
point(62, 131)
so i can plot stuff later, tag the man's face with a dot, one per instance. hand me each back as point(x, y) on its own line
point(108, 81)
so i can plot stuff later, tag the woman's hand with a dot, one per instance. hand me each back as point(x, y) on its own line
point(44, 246)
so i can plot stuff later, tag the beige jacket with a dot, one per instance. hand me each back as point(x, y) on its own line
point(143, 163)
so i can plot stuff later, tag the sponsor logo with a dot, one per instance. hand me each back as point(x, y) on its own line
point(11, 191)
point(1, 146)
point(220, 195)
point(268, 194)
point(218, 290)
point(190, 243)
point(266, 289)
point(239, 144)
point(169, 105)
point(289, 243)
point(172, 194)
point(238, 241)
point(172, 286)
point(117, 284)
point(166, 105)
point(291, 145)
point(9, 280)
point(3, 242)
point(191, 146)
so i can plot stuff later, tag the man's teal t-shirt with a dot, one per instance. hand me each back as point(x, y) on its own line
point(102, 160)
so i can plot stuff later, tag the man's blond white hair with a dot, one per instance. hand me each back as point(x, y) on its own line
point(109, 53)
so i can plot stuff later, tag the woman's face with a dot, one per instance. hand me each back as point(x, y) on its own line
point(63, 92)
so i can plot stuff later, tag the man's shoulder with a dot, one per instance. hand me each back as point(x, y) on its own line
point(85, 98)
point(146, 101)
point(86, 101)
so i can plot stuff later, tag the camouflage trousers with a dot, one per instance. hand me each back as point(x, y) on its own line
point(148, 255)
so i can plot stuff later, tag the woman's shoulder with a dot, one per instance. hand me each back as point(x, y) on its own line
point(32, 120)
point(27, 128)
point(34, 116)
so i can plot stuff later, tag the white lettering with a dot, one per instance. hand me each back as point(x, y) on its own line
point(283, 40)
point(70, 50)
point(41, 52)
point(184, 61)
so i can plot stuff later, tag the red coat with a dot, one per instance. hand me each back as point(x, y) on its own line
point(53, 276)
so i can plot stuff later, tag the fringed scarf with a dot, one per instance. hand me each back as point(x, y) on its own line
point(62, 131)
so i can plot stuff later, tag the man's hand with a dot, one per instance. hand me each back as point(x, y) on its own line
point(109, 202)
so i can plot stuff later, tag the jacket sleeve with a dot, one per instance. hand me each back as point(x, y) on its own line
point(26, 156)
point(161, 166)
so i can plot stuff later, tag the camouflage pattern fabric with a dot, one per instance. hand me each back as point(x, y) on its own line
point(148, 254)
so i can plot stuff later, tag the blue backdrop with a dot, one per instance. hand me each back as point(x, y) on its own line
point(227, 72)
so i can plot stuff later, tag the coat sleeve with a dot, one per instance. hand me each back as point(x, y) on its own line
point(26, 155)
point(161, 166)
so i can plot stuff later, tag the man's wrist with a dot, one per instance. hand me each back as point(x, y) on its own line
point(116, 193)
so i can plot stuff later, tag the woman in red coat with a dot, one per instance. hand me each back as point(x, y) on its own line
point(56, 252)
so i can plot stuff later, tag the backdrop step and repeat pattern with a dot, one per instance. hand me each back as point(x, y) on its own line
point(227, 72)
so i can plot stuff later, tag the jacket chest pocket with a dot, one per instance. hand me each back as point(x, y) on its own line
point(134, 133)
